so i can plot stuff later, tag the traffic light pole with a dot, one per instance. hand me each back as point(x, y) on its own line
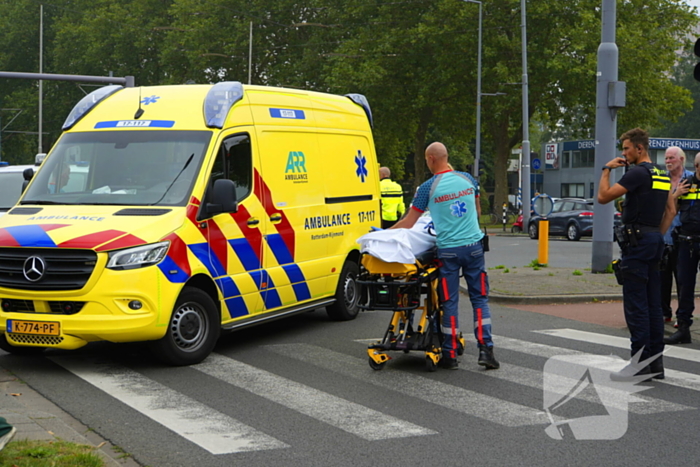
point(609, 97)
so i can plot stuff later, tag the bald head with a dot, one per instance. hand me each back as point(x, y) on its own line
point(436, 157)
point(384, 172)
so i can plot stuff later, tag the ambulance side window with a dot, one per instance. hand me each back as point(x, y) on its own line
point(235, 162)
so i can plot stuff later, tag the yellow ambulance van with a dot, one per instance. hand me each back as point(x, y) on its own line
point(172, 213)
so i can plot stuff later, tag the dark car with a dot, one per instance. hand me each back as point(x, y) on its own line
point(570, 217)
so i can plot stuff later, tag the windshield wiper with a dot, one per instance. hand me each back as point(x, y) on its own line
point(189, 159)
point(41, 202)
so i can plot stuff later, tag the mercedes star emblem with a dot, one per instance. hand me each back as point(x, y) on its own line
point(34, 268)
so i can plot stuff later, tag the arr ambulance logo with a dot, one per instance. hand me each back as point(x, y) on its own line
point(296, 168)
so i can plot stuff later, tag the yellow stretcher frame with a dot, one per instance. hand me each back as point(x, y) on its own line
point(415, 290)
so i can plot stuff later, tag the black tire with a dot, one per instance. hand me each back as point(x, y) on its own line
point(515, 229)
point(192, 332)
point(346, 295)
point(533, 231)
point(18, 350)
point(573, 233)
point(430, 365)
point(376, 366)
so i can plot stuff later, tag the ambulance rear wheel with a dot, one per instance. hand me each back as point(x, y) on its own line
point(347, 294)
point(18, 350)
point(192, 332)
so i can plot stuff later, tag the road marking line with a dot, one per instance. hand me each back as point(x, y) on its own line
point(452, 397)
point(619, 342)
point(673, 377)
point(194, 421)
point(639, 404)
point(350, 417)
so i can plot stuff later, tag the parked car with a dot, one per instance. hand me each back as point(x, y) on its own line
point(11, 178)
point(570, 217)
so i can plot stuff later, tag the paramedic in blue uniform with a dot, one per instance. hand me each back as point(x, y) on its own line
point(451, 198)
point(646, 214)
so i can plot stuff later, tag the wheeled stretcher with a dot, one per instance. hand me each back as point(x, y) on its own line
point(410, 292)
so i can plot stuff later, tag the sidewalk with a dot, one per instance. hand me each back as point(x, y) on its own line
point(37, 418)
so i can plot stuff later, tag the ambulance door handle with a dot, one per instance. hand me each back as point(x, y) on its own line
point(253, 221)
point(276, 218)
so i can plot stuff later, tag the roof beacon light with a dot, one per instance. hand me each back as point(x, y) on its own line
point(87, 103)
point(219, 101)
point(361, 100)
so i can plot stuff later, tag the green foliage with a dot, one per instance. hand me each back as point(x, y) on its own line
point(577, 273)
point(415, 61)
point(28, 453)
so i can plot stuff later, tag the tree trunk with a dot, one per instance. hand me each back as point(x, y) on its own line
point(419, 147)
point(500, 165)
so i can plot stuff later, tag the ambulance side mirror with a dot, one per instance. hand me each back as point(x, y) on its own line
point(27, 174)
point(223, 197)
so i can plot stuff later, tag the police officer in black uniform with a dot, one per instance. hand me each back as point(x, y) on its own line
point(688, 254)
point(647, 212)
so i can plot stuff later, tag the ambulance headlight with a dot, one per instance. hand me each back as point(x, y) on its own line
point(138, 257)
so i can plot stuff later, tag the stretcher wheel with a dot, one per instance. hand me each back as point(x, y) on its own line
point(430, 365)
point(376, 366)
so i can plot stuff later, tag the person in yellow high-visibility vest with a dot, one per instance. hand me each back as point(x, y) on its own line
point(393, 206)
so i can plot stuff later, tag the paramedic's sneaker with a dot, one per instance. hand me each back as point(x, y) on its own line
point(448, 363)
point(486, 358)
point(7, 437)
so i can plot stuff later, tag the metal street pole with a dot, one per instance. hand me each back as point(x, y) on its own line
point(526, 123)
point(477, 156)
point(41, 70)
point(609, 97)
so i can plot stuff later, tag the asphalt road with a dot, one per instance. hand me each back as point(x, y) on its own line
point(520, 250)
point(300, 392)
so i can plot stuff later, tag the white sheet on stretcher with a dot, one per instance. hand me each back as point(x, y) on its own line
point(400, 245)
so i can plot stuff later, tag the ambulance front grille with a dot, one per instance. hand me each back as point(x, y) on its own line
point(34, 340)
point(63, 269)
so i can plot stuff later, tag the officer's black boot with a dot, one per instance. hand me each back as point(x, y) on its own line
point(681, 336)
point(657, 368)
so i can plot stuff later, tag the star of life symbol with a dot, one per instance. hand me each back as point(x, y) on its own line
point(361, 171)
point(458, 208)
point(601, 380)
point(150, 100)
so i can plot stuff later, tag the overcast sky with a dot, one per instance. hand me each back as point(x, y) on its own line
point(695, 3)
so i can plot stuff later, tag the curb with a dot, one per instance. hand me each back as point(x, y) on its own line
point(37, 418)
point(551, 299)
point(546, 299)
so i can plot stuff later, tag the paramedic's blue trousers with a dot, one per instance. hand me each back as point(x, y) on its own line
point(470, 260)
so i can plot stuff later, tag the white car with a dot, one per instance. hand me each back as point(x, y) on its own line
point(11, 178)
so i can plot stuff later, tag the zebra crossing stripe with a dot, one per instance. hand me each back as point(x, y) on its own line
point(472, 403)
point(353, 418)
point(673, 377)
point(619, 342)
point(194, 421)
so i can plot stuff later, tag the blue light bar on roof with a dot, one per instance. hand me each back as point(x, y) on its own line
point(87, 103)
point(219, 101)
point(361, 100)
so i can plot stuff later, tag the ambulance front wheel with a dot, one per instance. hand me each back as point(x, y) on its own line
point(347, 294)
point(193, 330)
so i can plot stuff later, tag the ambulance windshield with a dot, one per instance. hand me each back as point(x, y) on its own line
point(142, 168)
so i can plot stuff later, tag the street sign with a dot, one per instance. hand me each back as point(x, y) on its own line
point(536, 164)
point(542, 205)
